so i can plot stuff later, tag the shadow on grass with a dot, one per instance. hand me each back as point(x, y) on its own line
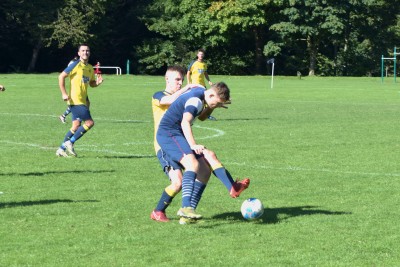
point(277, 215)
point(53, 172)
point(4, 205)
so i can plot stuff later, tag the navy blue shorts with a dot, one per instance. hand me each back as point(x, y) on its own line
point(174, 144)
point(80, 112)
point(167, 164)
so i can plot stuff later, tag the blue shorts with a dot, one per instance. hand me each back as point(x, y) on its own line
point(80, 112)
point(167, 164)
point(174, 144)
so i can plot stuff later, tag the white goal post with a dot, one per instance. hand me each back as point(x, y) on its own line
point(117, 69)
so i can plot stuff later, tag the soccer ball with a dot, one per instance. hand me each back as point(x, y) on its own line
point(2, 88)
point(252, 209)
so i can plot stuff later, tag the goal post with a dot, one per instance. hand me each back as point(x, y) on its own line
point(394, 58)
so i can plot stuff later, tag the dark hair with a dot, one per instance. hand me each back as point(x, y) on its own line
point(177, 68)
point(201, 50)
point(83, 44)
point(222, 91)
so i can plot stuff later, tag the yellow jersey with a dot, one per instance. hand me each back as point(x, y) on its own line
point(80, 75)
point(158, 112)
point(197, 72)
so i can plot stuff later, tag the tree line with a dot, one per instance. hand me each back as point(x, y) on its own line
point(313, 37)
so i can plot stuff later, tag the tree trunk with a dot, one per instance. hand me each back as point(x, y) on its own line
point(35, 55)
point(312, 50)
point(259, 46)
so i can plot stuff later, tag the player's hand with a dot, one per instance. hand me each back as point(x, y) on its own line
point(198, 149)
point(210, 83)
point(226, 103)
point(99, 79)
point(65, 97)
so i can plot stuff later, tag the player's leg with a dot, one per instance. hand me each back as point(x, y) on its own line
point(61, 151)
point(79, 113)
point(67, 145)
point(175, 176)
point(191, 166)
point(200, 183)
point(65, 114)
point(176, 147)
point(199, 186)
point(234, 188)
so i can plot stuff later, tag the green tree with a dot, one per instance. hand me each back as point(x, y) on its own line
point(231, 27)
point(308, 21)
point(43, 22)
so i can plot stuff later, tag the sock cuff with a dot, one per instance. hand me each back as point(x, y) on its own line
point(217, 166)
point(171, 192)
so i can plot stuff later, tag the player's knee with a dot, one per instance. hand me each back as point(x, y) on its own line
point(210, 155)
point(190, 163)
point(176, 186)
point(203, 179)
point(89, 124)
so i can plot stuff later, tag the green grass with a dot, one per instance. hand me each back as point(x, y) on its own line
point(322, 155)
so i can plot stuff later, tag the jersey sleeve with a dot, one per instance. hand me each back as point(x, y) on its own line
point(157, 97)
point(190, 66)
point(194, 106)
point(71, 66)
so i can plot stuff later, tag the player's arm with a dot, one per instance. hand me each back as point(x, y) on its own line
point(97, 82)
point(168, 99)
point(61, 84)
point(188, 73)
point(186, 125)
point(206, 112)
point(208, 78)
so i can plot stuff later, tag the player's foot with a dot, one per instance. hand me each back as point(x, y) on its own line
point(238, 187)
point(61, 153)
point(70, 148)
point(184, 220)
point(62, 119)
point(159, 216)
point(189, 212)
point(212, 118)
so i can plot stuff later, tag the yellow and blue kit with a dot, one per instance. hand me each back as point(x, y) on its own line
point(158, 112)
point(198, 70)
point(80, 75)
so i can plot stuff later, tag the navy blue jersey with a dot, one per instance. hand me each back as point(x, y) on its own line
point(190, 101)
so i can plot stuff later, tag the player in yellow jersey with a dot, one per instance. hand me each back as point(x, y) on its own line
point(208, 161)
point(197, 72)
point(81, 75)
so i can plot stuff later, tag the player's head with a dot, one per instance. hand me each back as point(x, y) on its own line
point(217, 95)
point(174, 78)
point(200, 54)
point(84, 52)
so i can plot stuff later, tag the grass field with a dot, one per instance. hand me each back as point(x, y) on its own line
point(322, 155)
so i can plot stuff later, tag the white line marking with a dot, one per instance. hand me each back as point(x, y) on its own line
point(287, 168)
point(81, 149)
point(56, 116)
point(218, 132)
point(293, 168)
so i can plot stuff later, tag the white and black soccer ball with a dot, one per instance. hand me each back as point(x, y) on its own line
point(2, 88)
point(252, 209)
